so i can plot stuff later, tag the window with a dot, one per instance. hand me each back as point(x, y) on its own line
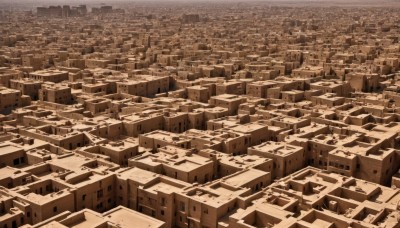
point(109, 188)
point(162, 212)
point(54, 209)
point(100, 193)
point(84, 197)
point(194, 208)
point(205, 211)
point(375, 171)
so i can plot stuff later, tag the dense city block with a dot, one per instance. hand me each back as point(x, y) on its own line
point(219, 114)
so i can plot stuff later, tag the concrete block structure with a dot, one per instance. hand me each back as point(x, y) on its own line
point(200, 115)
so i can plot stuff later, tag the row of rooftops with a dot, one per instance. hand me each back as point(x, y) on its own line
point(221, 113)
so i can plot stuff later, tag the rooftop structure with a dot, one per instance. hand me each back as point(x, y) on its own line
point(218, 114)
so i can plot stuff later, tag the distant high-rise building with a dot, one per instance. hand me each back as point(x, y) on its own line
point(190, 18)
point(64, 11)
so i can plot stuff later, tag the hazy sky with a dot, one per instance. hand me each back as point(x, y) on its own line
point(31, 4)
point(132, 1)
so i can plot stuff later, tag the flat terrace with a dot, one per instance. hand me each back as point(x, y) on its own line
point(126, 218)
point(9, 149)
point(278, 148)
point(242, 178)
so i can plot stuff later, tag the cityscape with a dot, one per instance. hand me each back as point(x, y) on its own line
point(200, 114)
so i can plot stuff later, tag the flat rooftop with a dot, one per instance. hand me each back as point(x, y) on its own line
point(126, 218)
point(8, 149)
point(278, 148)
point(244, 177)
